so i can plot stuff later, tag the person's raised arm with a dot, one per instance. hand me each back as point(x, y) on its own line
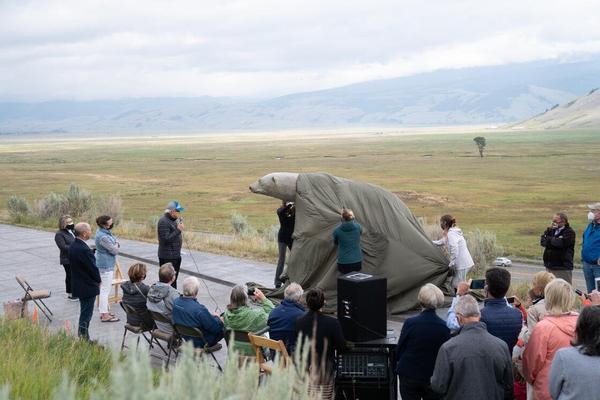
point(164, 233)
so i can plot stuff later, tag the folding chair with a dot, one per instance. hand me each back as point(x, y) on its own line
point(172, 339)
point(241, 336)
point(35, 296)
point(186, 331)
point(260, 342)
point(140, 330)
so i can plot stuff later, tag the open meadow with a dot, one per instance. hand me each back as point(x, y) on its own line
point(513, 191)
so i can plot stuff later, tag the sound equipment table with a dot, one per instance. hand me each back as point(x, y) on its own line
point(367, 370)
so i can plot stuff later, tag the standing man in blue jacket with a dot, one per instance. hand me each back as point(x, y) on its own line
point(85, 278)
point(590, 249)
point(503, 321)
point(170, 237)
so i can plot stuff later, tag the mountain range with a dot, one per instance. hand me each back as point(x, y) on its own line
point(583, 112)
point(480, 95)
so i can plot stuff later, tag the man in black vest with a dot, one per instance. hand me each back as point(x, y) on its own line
point(85, 278)
point(559, 246)
point(170, 237)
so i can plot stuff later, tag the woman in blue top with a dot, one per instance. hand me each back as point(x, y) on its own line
point(107, 249)
point(347, 238)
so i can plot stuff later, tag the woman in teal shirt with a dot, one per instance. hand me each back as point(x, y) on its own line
point(347, 238)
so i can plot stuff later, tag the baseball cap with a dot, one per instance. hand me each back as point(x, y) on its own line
point(174, 205)
point(594, 206)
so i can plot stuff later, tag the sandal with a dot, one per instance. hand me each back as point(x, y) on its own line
point(111, 319)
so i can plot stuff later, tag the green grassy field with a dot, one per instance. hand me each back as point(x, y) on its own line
point(524, 178)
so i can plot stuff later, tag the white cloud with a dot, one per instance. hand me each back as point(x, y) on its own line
point(98, 49)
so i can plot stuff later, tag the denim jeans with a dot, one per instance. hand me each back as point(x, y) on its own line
point(591, 272)
point(86, 306)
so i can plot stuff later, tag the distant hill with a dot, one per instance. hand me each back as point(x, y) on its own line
point(483, 95)
point(583, 112)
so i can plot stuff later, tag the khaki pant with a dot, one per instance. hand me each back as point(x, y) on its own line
point(565, 274)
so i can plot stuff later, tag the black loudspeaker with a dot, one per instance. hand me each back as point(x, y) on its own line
point(362, 306)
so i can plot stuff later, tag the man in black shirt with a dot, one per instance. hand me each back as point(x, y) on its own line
point(287, 219)
point(558, 241)
point(170, 233)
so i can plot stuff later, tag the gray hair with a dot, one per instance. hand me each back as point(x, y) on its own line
point(81, 228)
point(430, 297)
point(62, 221)
point(238, 297)
point(190, 286)
point(563, 217)
point(293, 292)
point(467, 306)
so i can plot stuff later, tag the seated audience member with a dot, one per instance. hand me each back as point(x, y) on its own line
point(501, 320)
point(474, 364)
point(574, 372)
point(162, 295)
point(420, 340)
point(240, 317)
point(282, 320)
point(552, 333)
point(328, 336)
point(188, 312)
point(135, 293)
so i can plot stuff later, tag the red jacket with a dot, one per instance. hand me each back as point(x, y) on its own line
point(549, 335)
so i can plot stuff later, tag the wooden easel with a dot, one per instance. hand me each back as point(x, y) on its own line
point(118, 280)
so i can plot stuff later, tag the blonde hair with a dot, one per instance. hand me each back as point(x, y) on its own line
point(430, 297)
point(540, 280)
point(559, 297)
point(62, 221)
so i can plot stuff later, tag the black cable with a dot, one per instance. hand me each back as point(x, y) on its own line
point(187, 245)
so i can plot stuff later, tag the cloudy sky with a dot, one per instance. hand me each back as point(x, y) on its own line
point(84, 49)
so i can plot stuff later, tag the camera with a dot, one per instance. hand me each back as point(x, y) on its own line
point(251, 291)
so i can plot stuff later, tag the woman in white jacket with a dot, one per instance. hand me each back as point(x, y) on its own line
point(460, 258)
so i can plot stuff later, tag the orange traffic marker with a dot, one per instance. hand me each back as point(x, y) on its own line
point(34, 317)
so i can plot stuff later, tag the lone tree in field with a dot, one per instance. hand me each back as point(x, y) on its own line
point(480, 142)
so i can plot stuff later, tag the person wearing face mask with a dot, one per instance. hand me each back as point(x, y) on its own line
point(558, 241)
point(590, 249)
point(85, 277)
point(107, 249)
point(63, 239)
point(474, 364)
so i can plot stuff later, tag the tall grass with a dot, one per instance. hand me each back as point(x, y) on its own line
point(33, 361)
point(45, 366)
point(77, 202)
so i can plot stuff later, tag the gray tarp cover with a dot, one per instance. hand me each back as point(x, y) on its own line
point(394, 244)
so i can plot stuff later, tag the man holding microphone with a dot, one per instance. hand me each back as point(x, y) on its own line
point(170, 231)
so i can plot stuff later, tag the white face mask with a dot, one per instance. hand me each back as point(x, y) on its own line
point(591, 216)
